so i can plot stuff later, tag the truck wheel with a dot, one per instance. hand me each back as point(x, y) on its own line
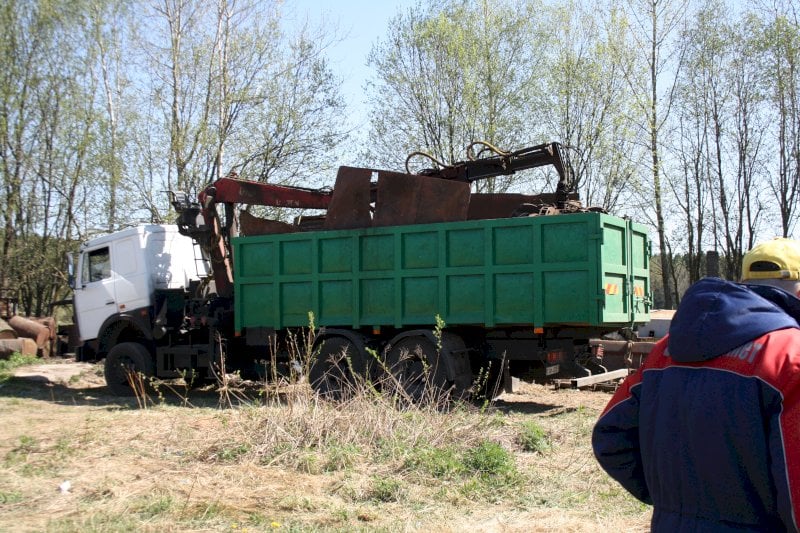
point(124, 362)
point(337, 368)
point(415, 371)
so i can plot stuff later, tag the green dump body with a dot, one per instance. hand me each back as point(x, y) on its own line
point(582, 269)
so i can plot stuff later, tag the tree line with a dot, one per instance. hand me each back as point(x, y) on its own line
point(677, 113)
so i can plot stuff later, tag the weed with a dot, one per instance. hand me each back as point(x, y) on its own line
point(16, 360)
point(532, 437)
point(489, 459)
point(385, 490)
point(154, 505)
point(22, 451)
point(209, 511)
point(438, 462)
point(258, 520)
point(341, 456)
point(309, 462)
point(486, 386)
point(294, 502)
point(438, 331)
point(234, 452)
point(393, 467)
point(96, 522)
point(27, 444)
point(340, 515)
point(10, 497)
point(138, 383)
point(64, 447)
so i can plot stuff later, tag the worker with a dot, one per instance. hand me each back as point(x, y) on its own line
point(708, 429)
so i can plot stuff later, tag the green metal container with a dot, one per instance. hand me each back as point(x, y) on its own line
point(582, 269)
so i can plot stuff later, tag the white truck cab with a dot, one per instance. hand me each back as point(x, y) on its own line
point(118, 273)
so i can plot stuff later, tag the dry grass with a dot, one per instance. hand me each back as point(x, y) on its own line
point(291, 462)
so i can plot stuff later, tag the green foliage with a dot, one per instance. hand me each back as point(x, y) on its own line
point(481, 466)
point(233, 452)
point(10, 497)
point(340, 456)
point(15, 361)
point(384, 489)
point(439, 462)
point(532, 437)
point(19, 454)
point(489, 459)
point(96, 522)
point(249, 91)
point(437, 331)
point(309, 461)
point(294, 502)
point(588, 101)
point(154, 505)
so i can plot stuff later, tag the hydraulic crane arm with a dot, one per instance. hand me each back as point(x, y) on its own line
point(235, 191)
point(507, 163)
point(201, 221)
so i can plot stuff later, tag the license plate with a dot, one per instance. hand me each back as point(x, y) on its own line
point(550, 370)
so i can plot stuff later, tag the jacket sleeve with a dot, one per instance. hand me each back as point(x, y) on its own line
point(785, 450)
point(784, 425)
point(615, 439)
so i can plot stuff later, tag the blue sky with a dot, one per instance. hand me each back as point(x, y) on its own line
point(360, 23)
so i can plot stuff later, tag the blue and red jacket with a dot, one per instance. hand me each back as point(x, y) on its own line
point(708, 429)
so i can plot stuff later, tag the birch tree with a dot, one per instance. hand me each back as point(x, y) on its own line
point(239, 92)
point(654, 25)
point(584, 101)
point(781, 49)
point(454, 73)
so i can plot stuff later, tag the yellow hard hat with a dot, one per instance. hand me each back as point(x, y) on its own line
point(775, 259)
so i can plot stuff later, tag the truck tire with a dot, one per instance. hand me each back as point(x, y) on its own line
point(337, 369)
point(416, 372)
point(124, 360)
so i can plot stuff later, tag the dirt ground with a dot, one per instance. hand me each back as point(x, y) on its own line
point(76, 458)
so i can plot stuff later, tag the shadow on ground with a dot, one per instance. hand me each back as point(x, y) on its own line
point(82, 384)
point(68, 383)
point(531, 408)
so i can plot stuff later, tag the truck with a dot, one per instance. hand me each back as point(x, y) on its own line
point(407, 275)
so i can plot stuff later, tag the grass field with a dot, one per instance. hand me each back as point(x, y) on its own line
point(76, 459)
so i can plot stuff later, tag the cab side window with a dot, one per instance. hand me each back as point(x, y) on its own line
point(96, 265)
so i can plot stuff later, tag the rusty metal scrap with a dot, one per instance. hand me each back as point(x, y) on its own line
point(502, 205)
point(414, 199)
point(350, 203)
point(250, 224)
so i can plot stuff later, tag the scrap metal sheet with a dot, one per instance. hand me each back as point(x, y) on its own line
point(350, 204)
point(412, 199)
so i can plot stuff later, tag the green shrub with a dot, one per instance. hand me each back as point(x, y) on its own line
point(16, 360)
point(438, 462)
point(490, 459)
point(386, 490)
point(533, 438)
point(341, 457)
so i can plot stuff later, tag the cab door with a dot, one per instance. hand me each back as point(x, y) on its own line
point(94, 297)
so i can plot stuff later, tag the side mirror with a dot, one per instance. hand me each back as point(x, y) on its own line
point(70, 270)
